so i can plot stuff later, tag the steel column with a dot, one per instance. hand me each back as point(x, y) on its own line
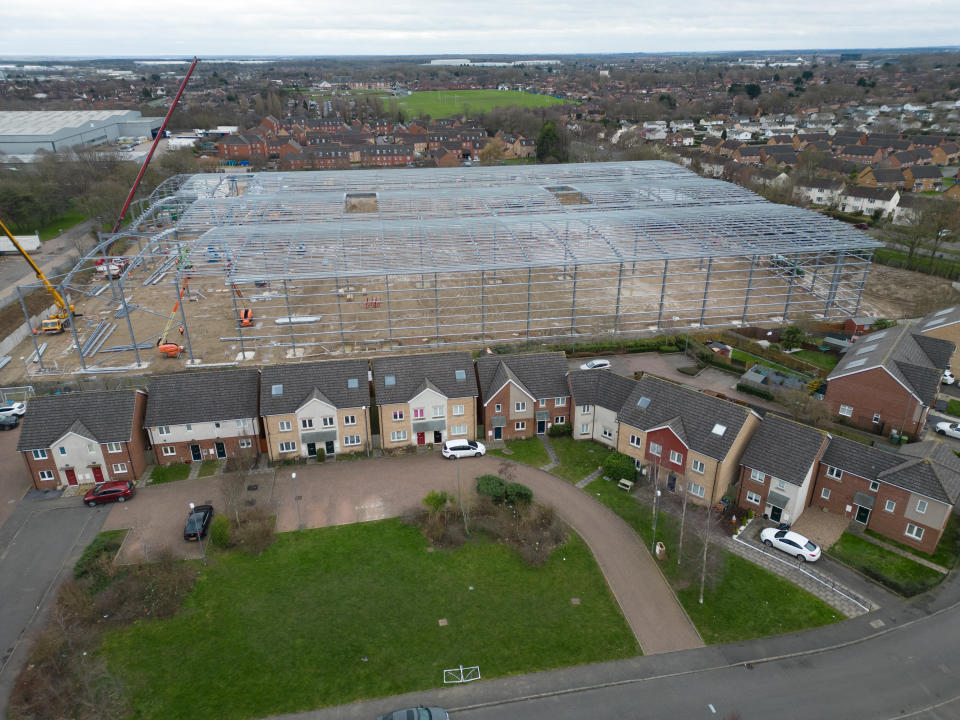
point(706, 290)
point(343, 342)
point(529, 283)
point(183, 317)
point(746, 299)
point(663, 293)
point(386, 280)
point(483, 318)
point(33, 335)
point(786, 307)
point(126, 314)
point(436, 301)
point(73, 329)
point(236, 313)
point(863, 282)
point(286, 299)
point(834, 283)
point(573, 302)
point(616, 317)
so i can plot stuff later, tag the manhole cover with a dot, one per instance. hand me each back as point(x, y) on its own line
point(252, 488)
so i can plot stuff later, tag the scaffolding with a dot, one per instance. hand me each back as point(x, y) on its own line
point(337, 262)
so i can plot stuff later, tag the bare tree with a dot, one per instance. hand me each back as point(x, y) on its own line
point(683, 517)
point(233, 486)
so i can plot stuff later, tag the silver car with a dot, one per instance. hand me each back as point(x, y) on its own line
point(418, 713)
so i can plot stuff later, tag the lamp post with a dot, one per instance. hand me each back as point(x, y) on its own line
point(656, 508)
point(203, 552)
point(296, 499)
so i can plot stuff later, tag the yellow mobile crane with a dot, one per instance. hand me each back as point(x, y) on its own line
point(58, 321)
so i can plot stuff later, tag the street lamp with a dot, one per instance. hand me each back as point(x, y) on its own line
point(296, 499)
point(203, 552)
point(656, 508)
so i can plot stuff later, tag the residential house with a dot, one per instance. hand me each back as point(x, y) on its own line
point(693, 440)
point(923, 178)
point(861, 154)
point(204, 415)
point(242, 147)
point(424, 399)
point(869, 200)
point(771, 177)
point(728, 147)
point(945, 325)
point(892, 178)
point(86, 437)
point(952, 192)
point(316, 409)
point(946, 154)
point(597, 398)
point(779, 468)
point(750, 154)
point(523, 395)
point(819, 191)
point(908, 209)
point(906, 496)
point(711, 144)
point(888, 380)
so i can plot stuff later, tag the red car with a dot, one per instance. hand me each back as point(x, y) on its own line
point(118, 491)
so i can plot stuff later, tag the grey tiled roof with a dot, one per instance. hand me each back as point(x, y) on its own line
point(859, 459)
point(202, 397)
point(600, 387)
point(697, 414)
point(101, 416)
point(543, 375)
point(413, 373)
point(943, 461)
point(783, 448)
point(297, 383)
point(939, 319)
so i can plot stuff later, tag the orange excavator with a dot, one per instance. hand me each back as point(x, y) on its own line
point(164, 346)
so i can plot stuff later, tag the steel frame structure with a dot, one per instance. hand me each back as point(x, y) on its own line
point(381, 260)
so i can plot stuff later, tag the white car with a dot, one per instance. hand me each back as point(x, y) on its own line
point(948, 378)
point(949, 428)
point(596, 365)
point(791, 543)
point(13, 408)
point(454, 449)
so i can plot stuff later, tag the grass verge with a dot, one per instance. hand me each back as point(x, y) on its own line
point(578, 458)
point(56, 226)
point(208, 467)
point(900, 574)
point(529, 451)
point(334, 615)
point(169, 473)
point(775, 605)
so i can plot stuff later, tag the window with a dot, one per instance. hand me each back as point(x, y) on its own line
point(676, 458)
point(169, 450)
point(327, 421)
point(46, 475)
point(245, 443)
point(696, 490)
point(397, 415)
point(241, 424)
point(876, 418)
point(607, 433)
point(520, 425)
point(560, 402)
point(349, 419)
point(351, 440)
point(119, 468)
point(834, 473)
point(418, 413)
point(458, 429)
point(874, 486)
point(780, 484)
point(637, 465)
point(91, 448)
point(921, 506)
point(543, 402)
point(188, 427)
point(460, 374)
point(306, 423)
point(63, 450)
point(559, 420)
point(584, 428)
point(914, 531)
point(217, 425)
point(719, 429)
point(353, 383)
point(756, 476)
point(698, 466)
point(585, 408)
point(276, 389)
point(111, 448)
point(288, 446)
point(498, 408)
point(390, 380)
point(163, 430)
point(635, 441)
point(890, 506)
point(846, 411)
point(825, 493)
point(284, 426)
point(39, 454)
point(655, 449)
point(438, 411)
point(753, 498)
point(458, 410)
point(520, 406)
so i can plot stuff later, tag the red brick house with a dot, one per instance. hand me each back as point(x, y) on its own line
point(861, 154)
point(523, 395)
point(81, 438)
point(386, 155)
point(204, 415)
point(907, 496)
point(242, 147)
point(888, 380)
point(923, 178)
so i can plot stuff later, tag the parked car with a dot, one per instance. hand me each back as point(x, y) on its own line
point(949, 428)
point(198, 522)
point(948, 378)
point(462, 448)
point(9, 422)
point(862, 226)
point(418, 713)
point(596, 365)
point(791, 543)
point(116, 491)
point(13, 408)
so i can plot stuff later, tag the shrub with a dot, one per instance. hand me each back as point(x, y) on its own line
point(492, 486)
point(436, 501)
point(617, 465)
point(255, 531)
point(561, 430)
point(220, 531)
point(518, 494)
point(750, 390)
point(791, 337)
point(104, 546)
point(321, 454)
point(667, 348)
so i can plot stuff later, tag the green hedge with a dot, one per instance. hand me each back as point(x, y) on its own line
point(561, 430)
point(220, 531)
point(750, 390)
point(925, 264)
point(493, 486)
point(596, 347)
point(617, 465)
point(518, 494)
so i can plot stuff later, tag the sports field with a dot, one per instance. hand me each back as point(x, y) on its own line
point(442, 103)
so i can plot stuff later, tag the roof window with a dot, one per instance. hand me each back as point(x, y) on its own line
point(389, 380)
point(460, 374)
point(857, 363)
point(878, 336)
point(353, 383)
point(643, 403)
point(942, 312)
point(719, 429)
point(276, 390)
point(867, 348)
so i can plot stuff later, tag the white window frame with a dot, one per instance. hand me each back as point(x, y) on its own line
point(584, 428)
point(698, 466)
point(498, 407)
point(676, 458)
point(398, 436)
point(560, 402)
point(890, 506)
point(306, 423)
point(874, 486)
point(825, 493)
point(585, 408)
point(245, 443)
point(45, 475)
point(846, 410)
point(419, 413)
point(284, 426)
point(62, 449)
point(40, 454)
point(520, 425)
point(655, 449)
point(876, 418)
point(559, 419)
point(351, 440)
point(543, 402)
point(635, 441)
point(753, 498)
point(349, 419)
point(696, 490)
point(397, 415)
point(607, 433)
point(169, 450)
point(241, 424)
point(917, 533)
point(119, 468)
point(520, 406)
point(781, 484)
point(287, 446)
point(834, 473)
point(438, 411)
point(457, 410)
point(328, 421)
point(113, 447)
point(458, 429)
point(163, 430)
point(922, 506)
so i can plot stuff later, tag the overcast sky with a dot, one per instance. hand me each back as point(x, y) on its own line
point(294, 27)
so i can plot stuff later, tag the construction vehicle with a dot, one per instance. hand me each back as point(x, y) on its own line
point(164, 346)
point(60, 319)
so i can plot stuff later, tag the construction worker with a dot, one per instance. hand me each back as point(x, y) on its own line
point(181, 329)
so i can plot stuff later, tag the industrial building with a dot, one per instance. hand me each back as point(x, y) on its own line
point(25, 133)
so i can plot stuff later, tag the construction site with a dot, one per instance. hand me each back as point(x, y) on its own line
point(263, 268)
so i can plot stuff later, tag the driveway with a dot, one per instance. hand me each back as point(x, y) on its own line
point(372, 489)
point(14, 481)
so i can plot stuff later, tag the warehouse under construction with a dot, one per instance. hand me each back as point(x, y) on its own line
point(266, 266)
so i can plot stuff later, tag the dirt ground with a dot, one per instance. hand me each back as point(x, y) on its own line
point(894, 293)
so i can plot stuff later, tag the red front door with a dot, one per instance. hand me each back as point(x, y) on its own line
point(71, 476)
point(97, 474)
point(421, 439)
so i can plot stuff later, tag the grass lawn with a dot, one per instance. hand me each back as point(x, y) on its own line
point(953, 408)
point(887, 568)
point(578, 458)
point(442, 104)
point(948, 549)
point(169, 473)
point(53, 228)
point(335, 615)
point(776, 605)
point(826, 361)
point(746, 357)
point(529, 451)
point(208, 467)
